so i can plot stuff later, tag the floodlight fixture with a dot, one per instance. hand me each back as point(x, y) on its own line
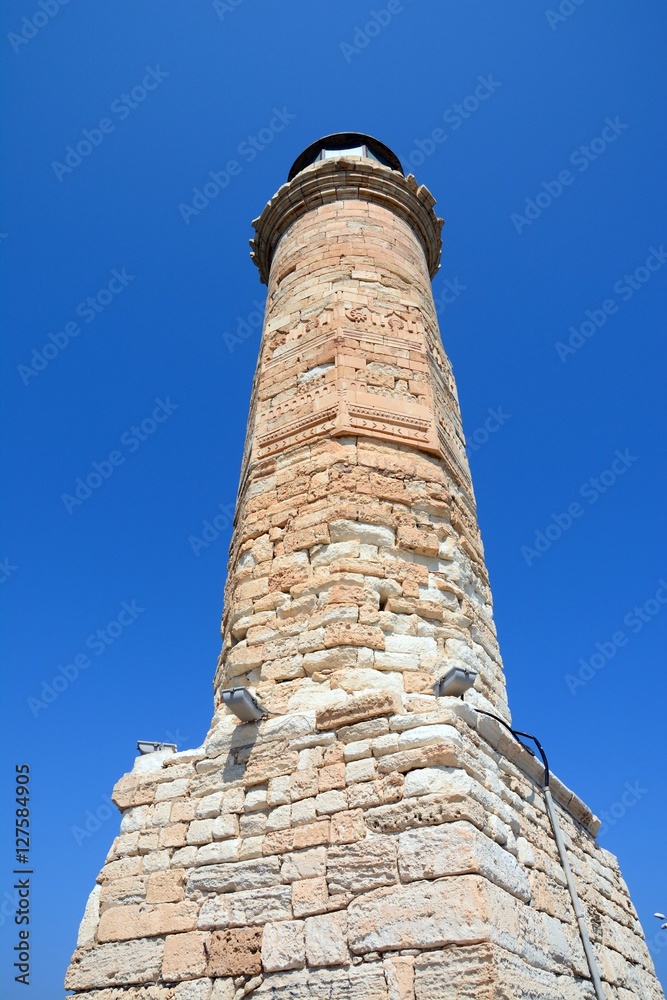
point(455, 682)
point(243, 704)
point(146, 746)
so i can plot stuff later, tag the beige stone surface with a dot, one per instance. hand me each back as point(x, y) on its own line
point(283, 946)
point(235, 952)
point(184, 956)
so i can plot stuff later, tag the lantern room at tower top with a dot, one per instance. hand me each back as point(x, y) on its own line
point(345, 144)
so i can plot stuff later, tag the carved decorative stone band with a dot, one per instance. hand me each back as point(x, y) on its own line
point(339, 179)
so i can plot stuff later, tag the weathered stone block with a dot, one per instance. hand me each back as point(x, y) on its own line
point(358, 709)
point(326, 940)
point(363, 866)
point(116, 964)
point(244, 909)
point(235, 877)
point(235, 952)
point(456, 849)
point(184, 956)
point(283, 946)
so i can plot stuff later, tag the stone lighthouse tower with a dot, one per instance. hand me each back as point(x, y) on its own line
point(357, 824)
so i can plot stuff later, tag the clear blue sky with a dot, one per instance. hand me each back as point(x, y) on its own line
point(169, 93)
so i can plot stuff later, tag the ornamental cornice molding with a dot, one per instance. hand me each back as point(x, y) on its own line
point(346, 177)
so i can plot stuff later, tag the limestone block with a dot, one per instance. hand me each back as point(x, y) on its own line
point(236, 877)
point(252, 826)
point(312, 834)
point(360, 867)
point(352, 634)
point(173, 835)
point(365, 982)
point(200, 832)
point(425, 542)
point(331, 777)
point(445, 753)
point(155, 861)
point(223, 989)
point(367, 534)
point(283, 946)
point(279, 818)
point(326, 943)
point(184, 956)
point(195, 989)
point(360, 770)
point(358, 709)
point(278, 793)
point(218, 853)
point(235, 952)
point(357, 750)
point(251, 847)
point(116, 964)
point(303, 811)
point(210, 806)
point(455, 849)
point(420, 646)
point(244, 909)
point(451, 782)
point(165, 886)
point(424, 735)
point(225, 826)
point(368, 730)
point(123, 890)
point(304, 864)
point(400, 975)
point(327, 803)
point(365, 679)
point(91, 916)
point(310, 896)
point(304, 784)
point(171, 789)
point(122, 923)
point(347, 827)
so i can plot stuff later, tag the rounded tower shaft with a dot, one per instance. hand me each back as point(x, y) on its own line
point(356, 561)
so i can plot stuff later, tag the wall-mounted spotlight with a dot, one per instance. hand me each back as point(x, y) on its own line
point(145, 746)
point(243, 704)
point(455, 682)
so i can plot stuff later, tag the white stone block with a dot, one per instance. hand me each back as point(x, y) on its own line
point(326, 943)
point(284, 946)
point(278, 793)
point(91, 918)
point(450, 781)
point(423, 736)
point(368, 534)
point(360, 770)
point(357, 750)
point(327, 803)
point(225, 826)
point(279, 818)
point(420, 645)
point(200, 832)
point(210, 806)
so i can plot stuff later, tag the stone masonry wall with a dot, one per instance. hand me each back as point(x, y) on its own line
point(388, 848)
point(356, 562)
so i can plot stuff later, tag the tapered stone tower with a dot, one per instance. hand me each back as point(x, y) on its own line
point(365, 839)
